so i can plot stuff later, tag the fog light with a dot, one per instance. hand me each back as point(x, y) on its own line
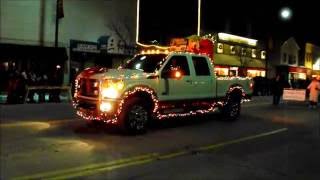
point(105, 106)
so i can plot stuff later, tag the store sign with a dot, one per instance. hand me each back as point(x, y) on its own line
point(84, 46)
point(114, 45)
point(294, 94)
point(178, 44)
point(297, 69)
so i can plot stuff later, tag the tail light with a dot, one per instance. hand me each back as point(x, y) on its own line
point(251, 84)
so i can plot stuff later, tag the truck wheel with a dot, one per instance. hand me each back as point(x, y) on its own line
point(231, 110)
point(134, 116)
point(93, 123)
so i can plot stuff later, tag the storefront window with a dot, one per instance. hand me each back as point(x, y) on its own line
point(219, 71)
point(254, 73)
point(233, 71)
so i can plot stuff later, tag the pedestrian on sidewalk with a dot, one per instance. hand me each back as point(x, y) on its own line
point(277, 89)
point(314, 88)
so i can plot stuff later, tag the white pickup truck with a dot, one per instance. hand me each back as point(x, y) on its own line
point(157, 86)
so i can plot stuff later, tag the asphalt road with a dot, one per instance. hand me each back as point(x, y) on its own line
point(46, 141)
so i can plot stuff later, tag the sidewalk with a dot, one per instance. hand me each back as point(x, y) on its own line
point(31, 112)
point(269, 99)
point(261, 99)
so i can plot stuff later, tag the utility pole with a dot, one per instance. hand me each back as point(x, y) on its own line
point(59, 14)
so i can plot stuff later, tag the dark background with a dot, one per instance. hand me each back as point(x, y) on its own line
point(162, 20)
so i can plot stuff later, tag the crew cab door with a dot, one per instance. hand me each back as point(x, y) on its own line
point(202, 79)
point(175, 88)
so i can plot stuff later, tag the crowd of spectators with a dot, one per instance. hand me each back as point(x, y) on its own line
point(16, 83)
point(264, 86)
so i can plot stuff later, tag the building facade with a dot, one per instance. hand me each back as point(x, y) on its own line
point(312, 59)
point(90, 32)
point(285, 60)
point(239, 56)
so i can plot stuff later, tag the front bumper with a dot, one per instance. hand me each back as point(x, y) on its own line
point(88, 109)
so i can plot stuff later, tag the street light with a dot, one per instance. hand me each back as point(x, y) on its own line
point(285, 13)
point(199, 18)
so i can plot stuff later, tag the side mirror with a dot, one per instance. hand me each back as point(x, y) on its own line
point(172, 74)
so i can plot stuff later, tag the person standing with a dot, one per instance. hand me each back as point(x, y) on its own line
point(277, 90)
point(314, 88)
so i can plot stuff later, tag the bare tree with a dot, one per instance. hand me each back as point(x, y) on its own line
point(122, 28)
point(242, 53)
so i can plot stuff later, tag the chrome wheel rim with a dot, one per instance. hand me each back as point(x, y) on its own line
point(234, 111)
point(138, 117)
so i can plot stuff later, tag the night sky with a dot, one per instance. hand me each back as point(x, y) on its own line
point(162, 20)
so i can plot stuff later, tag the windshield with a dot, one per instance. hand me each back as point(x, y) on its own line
point(145, 62)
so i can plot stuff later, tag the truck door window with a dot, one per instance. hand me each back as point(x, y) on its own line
point(201, 66)
point(179, 62)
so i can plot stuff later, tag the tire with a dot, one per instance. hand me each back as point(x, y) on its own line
point(231, 111)
point(93, 123)
point(134, 116)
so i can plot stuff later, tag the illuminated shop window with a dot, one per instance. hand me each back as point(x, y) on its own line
point(316, 65)
point(254, 53)
point(233, 71)
point(263, 54)
point(254, 73)
point(232, 50)
point(302, 76)
point(221, 71)
point(220, 48)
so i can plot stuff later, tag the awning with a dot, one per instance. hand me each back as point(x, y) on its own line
point(232, 60)
point(223, 59)
point(256, 63)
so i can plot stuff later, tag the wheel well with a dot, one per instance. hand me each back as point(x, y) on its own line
point(146, 97)
point(236, 93)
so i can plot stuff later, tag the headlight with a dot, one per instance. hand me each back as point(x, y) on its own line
point(111, 88)
point(110, 92)
point(105, 106)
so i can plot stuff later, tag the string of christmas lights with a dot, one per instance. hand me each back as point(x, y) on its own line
point(128, 94)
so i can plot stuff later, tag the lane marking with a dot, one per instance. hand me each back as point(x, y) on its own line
point(33, 123)
point(214, 146)
point(137, 160)
point(89, 167)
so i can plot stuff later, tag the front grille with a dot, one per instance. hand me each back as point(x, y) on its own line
point(87, 105)
point(89, 87)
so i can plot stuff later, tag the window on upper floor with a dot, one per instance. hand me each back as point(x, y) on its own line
point(232, 50)
point(263, 54)
point(220, 48)
point(284, 58)
point(292, 59)
point(254, 53)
